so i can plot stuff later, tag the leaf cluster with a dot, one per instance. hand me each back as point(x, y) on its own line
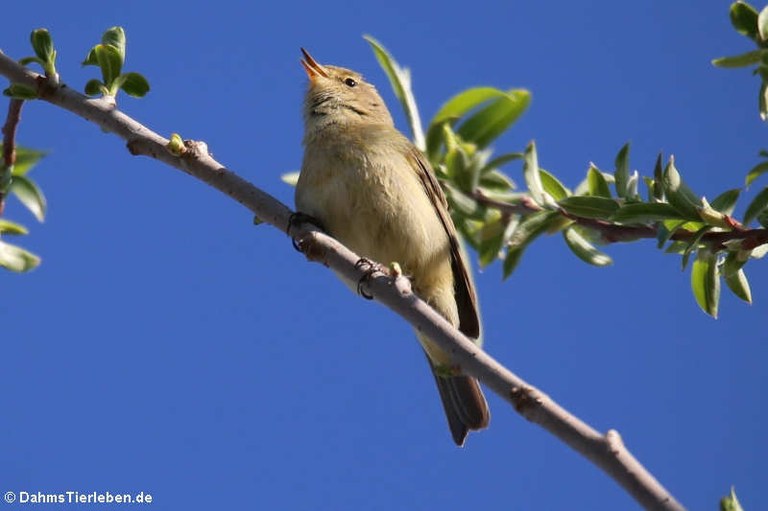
point(501, 222)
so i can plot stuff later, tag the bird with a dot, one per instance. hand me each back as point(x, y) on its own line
point(367, 185)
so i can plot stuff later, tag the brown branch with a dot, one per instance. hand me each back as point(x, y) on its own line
point(606, 451)
point(9, 144)
point(612, 233)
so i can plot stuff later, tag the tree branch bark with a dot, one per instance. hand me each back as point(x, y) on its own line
point(607, 451)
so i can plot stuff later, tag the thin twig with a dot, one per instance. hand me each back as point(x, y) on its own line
point(612, 232)
point(9, 143)
point(604, 450)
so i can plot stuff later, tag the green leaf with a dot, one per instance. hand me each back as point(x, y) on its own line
point(454, 109)
point(532, 174)
point(90, 59)
point(17, 259)
point(553, 186)
point(736, 280)
point(8, 227)
point(678, 194)
point(110, 62)
point(726, 201)
point(705, 282)
point(290, 178)
point(583, 249)
point(749, 58)
point(694, 244)
point(597, 185)
point(400, 80)
point(496, 181)
point(762, 24)
point(26, 159)
point(666, 232)
point(491, 238)
point(757, 205)
point(530, 228)
point(30, 195)
point(646, 212)
point(42, 44)
point(484, 126)
point(500, 161)
point(19, 91)
point(462, 203)
point(763, 100)
point(134, 84)
point(586, 206)
point(622, 172)
point(730, 502)
point(94, 87)
point(744, 19)
point(115, 37)
point(757, 171)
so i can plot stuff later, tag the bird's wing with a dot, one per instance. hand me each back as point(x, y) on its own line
point(464, 288)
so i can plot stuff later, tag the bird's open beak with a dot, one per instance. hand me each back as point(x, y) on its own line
point(311, 66)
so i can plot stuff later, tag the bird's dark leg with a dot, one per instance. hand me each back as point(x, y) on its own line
point(370, 268)
point(296, 219)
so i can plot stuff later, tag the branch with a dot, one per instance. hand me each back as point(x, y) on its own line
point(605, 450)
point(613, 232)
point(9, 144)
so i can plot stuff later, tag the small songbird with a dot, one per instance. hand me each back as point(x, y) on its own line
point(372, 189)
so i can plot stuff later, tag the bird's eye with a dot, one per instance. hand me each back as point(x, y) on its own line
point(350, 82)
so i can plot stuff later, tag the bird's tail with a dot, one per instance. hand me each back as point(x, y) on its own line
point(464, 404)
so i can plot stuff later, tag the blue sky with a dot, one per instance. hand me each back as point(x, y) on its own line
point(167, 345)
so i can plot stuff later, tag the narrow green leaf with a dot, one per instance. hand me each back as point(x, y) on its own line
point(134, 84)
point(530, 228)
point(586, 206)
point(496, 181)
point(490, 241)
point(26, 159)
point(744, 19)
point(749, 58)
point(762, 24)
point(462, 203)
point(622, 172)
point(17, 259)
point(290, 178)
point(597, 185)
point(763, 100)
point(500, 161)
point(726, 201)
point(645, 213)
point(738, 284)
point(757, 205)
point(666, 232)
point(678, 194)
point(553, 186)
point(454, 109)
point(400, 80)
point(42, 44)
point(658, 179)
point(115, 37)
point(90, 59)
point(705, 282)
point(532, 174)
point(694, 244)
point(29, 60)
point(730, 502)
point(30, 195)
point(110, 62)
point(757, 171)
point(94, 87)
point(484, 126)
point(8, 227)
point(19, 91)
point(583, 249)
